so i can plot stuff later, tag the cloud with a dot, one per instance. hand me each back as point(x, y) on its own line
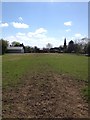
point(20, 25)
point(4, 24)
point(20, 34)
point(37, 38)
point(40, 38)
point(69, 23)
point(68, 30)
point(39, 33)
point(20, 19)
point(78, 35)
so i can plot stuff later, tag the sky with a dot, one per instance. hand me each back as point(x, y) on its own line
point(39, 23)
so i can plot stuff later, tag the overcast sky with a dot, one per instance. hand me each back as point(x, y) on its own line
point(36, 24)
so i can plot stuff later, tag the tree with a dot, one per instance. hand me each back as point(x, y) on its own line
point(61, 48)
point(0, 47)
point(15, 43)
point(3, 46)
point(36, 49)
point(65, 43)
point(77, 48)
point(84, 40)
point(88, 48)
point(85, 48)
point(49, 46)
point(81, 45)
point(71, 46)
point(27, 49)
point(65, 46)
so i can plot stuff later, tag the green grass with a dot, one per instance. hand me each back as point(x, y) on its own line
point(86, 92)
point(76, 66)
point(14, 66)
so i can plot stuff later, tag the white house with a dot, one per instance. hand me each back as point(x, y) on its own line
point(15, 49)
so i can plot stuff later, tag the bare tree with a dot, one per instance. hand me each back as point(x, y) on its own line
point(49, 45)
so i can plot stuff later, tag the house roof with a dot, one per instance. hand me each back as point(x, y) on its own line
point(14, 48)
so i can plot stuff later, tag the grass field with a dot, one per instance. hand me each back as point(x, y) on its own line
point(14, 66)
point(32, 83)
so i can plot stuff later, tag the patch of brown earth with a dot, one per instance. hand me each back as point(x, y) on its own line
point(45, 95)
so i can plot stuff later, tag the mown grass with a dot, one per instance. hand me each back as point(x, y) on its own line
point(76, 66)
point(14, 66)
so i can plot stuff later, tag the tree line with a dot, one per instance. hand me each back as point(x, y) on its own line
point(72, 47)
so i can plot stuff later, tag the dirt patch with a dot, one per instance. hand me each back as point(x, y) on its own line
point(45, 95)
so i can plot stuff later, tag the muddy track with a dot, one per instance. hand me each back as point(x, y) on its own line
point(45, 95)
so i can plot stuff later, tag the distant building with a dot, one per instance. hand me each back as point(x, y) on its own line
point(15, 49)
point(55, 50)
